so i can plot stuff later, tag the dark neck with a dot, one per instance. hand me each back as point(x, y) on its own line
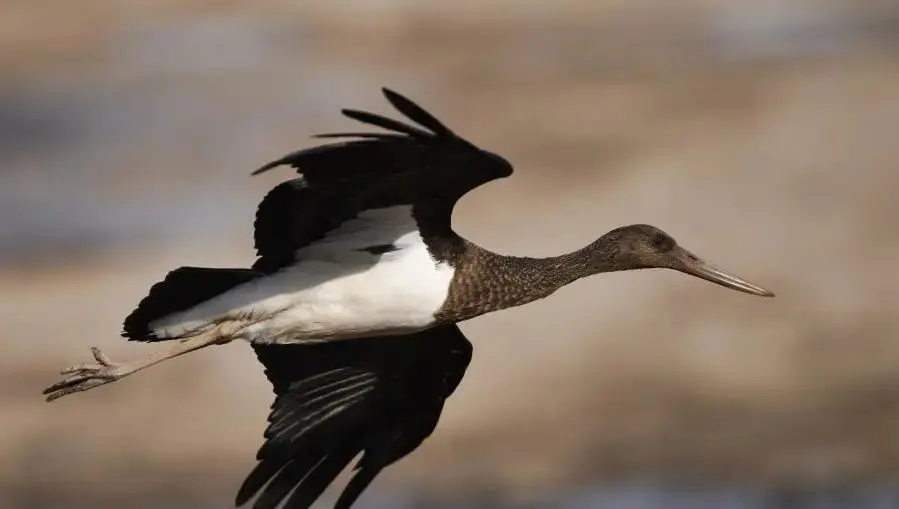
point(487, 281)
point(540, 277)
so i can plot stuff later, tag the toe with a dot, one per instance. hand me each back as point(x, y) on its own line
point(101, 357)
point(65, 382)
point(83, 386)
point(77, 368)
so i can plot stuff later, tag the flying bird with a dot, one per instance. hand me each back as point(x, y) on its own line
point(353, 302)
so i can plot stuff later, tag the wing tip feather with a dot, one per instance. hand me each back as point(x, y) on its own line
point(267, 166)
point(425, 126)
point(415, 112)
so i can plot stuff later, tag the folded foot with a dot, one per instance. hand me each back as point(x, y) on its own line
point(82, 377)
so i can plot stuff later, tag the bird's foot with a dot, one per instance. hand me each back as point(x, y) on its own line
point(82, 377)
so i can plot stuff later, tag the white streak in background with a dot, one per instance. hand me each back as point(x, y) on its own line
point(771, 28)
point(212, 44)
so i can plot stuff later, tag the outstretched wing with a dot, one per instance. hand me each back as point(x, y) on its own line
point(380, 397)
point(366, 193)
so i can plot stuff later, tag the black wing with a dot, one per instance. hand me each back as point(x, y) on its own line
point(377, 396)
point(427, 167)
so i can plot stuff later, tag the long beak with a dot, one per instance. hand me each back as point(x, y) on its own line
point(692, 265)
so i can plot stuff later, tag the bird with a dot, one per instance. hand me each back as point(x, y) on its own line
point(353, 302)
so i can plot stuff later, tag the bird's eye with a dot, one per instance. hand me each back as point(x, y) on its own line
point(662, 242)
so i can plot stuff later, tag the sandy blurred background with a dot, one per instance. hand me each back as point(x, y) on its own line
point(763, 134)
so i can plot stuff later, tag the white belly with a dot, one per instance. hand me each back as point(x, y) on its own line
point(400, 294)
point(356, 295)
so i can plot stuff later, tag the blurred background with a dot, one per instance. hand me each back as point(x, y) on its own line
point(762, 134)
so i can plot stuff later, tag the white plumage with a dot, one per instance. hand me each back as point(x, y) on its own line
point(336, 290)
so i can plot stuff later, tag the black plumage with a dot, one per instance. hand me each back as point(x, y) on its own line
point(427, 167)
point(380, 397)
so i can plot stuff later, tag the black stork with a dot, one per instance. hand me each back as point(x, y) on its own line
point(353, 303)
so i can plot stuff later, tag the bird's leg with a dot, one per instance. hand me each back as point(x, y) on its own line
point(82, 377)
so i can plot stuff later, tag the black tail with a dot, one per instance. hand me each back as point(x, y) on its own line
point(182, 289)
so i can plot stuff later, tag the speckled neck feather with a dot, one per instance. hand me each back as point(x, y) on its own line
point(485, 281)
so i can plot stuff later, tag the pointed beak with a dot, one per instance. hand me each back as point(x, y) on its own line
point(694, 266)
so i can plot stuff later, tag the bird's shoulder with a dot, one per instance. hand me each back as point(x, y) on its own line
point(391, 183)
